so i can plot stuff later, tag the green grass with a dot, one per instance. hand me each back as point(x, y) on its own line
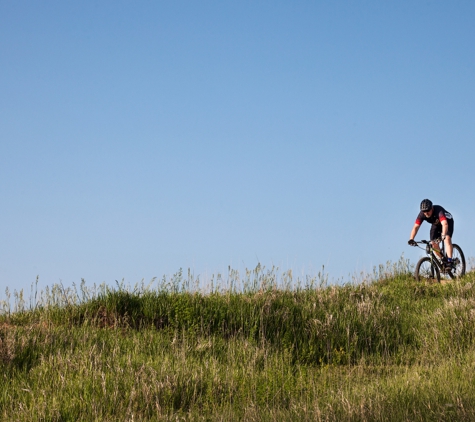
point(264, 347)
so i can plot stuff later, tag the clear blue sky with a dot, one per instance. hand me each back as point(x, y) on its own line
point(137, 138)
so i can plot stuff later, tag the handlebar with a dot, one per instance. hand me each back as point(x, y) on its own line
point(427, 242)
point(428, 245)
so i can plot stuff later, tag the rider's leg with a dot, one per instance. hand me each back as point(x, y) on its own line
point(437, 248)
point(449, 230)
point(435, 233)
point(448, 246)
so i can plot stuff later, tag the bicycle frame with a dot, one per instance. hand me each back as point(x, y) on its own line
point(431, 251)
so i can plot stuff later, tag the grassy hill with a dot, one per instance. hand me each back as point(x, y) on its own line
point(263, 346)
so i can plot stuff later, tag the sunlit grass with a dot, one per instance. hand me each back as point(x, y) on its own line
point(261, 346)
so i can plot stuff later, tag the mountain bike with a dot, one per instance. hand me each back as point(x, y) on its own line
point(434, 266)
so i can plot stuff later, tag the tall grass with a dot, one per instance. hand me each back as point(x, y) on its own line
point(261, 346)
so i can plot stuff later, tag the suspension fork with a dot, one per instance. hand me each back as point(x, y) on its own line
point(433, 262)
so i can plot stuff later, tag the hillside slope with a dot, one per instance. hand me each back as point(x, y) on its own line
point(387, 349)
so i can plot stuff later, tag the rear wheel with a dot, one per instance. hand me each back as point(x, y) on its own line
point(426, 271)
point(458, 259)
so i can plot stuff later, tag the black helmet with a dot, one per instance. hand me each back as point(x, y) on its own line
point(426, 205)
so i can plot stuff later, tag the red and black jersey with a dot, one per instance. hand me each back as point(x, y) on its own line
point(439, 214)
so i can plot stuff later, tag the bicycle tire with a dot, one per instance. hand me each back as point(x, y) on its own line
point(426, 270)
point(459, 270)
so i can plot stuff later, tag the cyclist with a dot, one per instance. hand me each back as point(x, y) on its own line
point(442, 228)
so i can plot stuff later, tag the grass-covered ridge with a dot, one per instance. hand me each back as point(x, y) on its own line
point(264, 346)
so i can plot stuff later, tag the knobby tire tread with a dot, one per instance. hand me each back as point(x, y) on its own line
point(420, 277)
point(462, 256)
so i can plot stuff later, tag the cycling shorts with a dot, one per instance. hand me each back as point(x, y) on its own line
point(436, 230)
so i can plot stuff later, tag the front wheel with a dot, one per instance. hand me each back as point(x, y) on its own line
point(458, 259)
point(426, 271)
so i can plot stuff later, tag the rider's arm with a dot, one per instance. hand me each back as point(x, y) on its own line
point(414, 231)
